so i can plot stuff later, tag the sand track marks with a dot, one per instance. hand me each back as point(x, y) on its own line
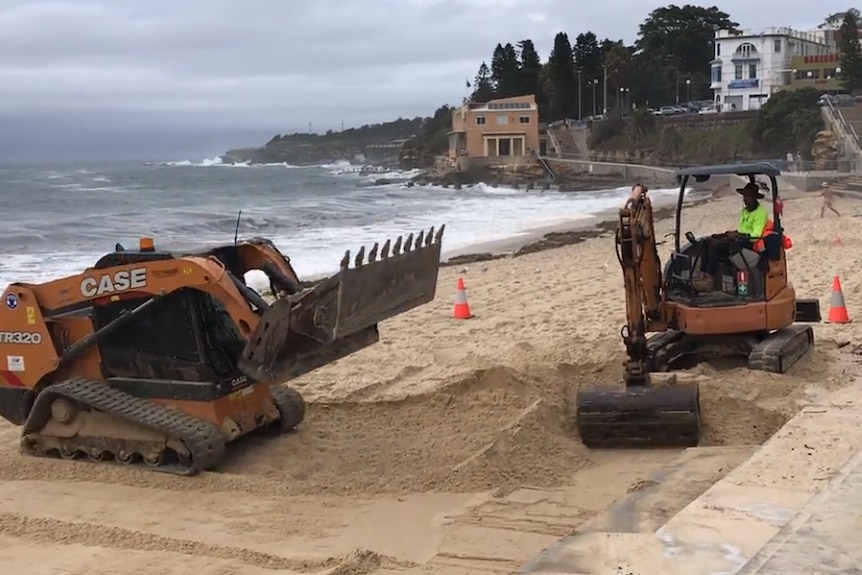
point(53, 531)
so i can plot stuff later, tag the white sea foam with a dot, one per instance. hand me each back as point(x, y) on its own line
point(484, 214)
point(329, 224)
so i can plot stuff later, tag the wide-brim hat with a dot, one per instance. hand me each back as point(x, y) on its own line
point(750, 189)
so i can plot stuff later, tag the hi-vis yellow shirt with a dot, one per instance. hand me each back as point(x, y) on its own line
point(752, 223)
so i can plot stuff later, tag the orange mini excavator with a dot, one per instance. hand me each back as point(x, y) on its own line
point(752, 314)
point(159, 359)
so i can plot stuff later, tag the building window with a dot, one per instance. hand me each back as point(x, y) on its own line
point(746, 50)
point(717, 49)
point(737, 72)
point(524, 119)
point(509, 106)
point(752, 71)
point(776, 46)
point(716, 75)
point(480, 120)
point(502, 119)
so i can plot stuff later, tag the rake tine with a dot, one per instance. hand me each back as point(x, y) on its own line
point(360, 256)
point(372, 255)
point(345, 261)
point(396, 249)
point(384, 251)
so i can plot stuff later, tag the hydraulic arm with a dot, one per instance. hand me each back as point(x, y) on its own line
point(638, 256)
point(639, 414)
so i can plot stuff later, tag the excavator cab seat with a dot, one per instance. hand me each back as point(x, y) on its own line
point(741, 259)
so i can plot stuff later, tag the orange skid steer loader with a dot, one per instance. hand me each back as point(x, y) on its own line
point(159, 359)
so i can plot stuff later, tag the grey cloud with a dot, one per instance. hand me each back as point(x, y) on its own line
point(198, 66)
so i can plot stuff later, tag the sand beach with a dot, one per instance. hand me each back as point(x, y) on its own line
point(448, 448)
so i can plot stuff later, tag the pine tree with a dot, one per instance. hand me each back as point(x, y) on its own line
point(505, 71)
point(561, 77)
point(531, 67)
point(850, 53)
point(483, 87)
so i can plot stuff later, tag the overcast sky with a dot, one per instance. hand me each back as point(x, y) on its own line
point(77, 77)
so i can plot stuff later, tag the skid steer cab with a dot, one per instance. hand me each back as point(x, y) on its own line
point(159, 359)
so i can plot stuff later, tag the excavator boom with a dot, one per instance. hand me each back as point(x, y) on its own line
point(639, 414)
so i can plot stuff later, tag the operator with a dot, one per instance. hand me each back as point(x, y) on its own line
point(752, 221)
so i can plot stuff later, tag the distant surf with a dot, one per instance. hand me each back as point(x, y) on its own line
point(61, 219)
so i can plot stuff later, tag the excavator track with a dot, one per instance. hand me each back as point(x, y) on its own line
point(780, 351)
point(189, 446)
point(290, 405)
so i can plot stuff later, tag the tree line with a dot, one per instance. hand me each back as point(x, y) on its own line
point(668, 63)
point(849, 52)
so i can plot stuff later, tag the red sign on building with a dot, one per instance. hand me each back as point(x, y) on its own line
point(822, 59)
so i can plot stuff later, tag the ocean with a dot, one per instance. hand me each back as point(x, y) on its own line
point(60, 219)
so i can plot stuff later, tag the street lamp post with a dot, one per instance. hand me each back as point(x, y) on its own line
point(688, 90)
point(604, 89)
point(580, 96)
point(595, 83)
point(624, 92)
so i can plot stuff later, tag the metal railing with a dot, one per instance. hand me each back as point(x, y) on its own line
point(845, 126)
point(842, 166)
point(786, 166)
point(552, 175)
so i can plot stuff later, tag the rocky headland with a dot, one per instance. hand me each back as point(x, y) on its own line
point(376, 144)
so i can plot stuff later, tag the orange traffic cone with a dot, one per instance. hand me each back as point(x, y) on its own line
point(462, 308)
point(837, 310)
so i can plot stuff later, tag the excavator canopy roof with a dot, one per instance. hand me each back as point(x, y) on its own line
point(702, 173)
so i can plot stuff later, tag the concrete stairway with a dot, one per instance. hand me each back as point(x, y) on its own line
point(791, 508)
point(565, 142)
point(852, 116)
point(549, 171)
point(554, 149)
point(850, 186)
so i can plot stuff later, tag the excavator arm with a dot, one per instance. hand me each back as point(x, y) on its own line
point(639, 414)
point(637, 253)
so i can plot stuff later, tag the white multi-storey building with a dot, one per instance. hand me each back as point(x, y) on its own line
point(749, 66)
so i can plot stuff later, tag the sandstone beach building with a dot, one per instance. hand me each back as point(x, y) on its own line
point(504, 130)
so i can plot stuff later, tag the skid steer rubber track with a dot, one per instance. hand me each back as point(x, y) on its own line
point(780, 351)
point(290, 405)
point(202, 439)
